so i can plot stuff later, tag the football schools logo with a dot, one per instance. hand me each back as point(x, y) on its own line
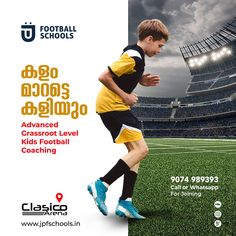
point(28, 32)
point(47, 32)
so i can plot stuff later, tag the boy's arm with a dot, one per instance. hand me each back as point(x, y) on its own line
point(106, 79)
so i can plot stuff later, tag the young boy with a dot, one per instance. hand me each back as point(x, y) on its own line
point(113, 105)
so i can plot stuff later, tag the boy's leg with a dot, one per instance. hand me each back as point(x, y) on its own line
point(129, 178)
point(129, 182)
point(125, 206)
point(118, 170)
point(138, 151)
point(124, 127)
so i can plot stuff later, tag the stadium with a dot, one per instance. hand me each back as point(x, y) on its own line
point(192, 135)
point(209, 108)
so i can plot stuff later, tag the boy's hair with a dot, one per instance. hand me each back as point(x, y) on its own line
point(154, 28)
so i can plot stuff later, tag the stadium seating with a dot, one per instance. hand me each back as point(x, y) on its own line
point(152, 112)
point(224, 81)
point(200, 86)
point(206, 110)
point(204, 77)
point(231, 71)
point(154, 100)
point(207, 96)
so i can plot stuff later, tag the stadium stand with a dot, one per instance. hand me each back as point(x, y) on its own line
point(208, 97)
point(152, 112)
point(204, 77)
point(206, 110)
point(200, 86)
point(209, 109)
point(224, 81)
point(153, 100)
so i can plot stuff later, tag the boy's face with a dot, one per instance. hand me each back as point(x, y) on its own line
point(153, 47)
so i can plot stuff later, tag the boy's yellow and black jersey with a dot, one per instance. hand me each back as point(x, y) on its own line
point(127, 72)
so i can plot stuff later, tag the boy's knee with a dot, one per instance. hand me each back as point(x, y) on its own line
point(146, 151)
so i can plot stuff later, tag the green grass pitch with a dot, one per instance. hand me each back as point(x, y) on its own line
point(186, 215)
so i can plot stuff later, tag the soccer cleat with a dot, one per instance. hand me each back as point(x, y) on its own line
point(126, 209)
point(98, 190)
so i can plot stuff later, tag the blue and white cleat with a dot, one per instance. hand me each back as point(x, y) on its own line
point(98, 191)
point(125, 208)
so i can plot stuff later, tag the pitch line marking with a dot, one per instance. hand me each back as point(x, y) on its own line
point(176, 153)
point(201, 139)
point(193, 147)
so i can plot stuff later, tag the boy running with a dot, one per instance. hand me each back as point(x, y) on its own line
point(113, 105)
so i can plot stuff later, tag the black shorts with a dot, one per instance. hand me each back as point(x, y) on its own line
point(123, 126)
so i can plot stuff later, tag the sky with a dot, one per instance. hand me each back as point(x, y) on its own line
point(188, 21)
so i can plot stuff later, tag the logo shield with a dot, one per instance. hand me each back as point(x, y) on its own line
point(28, 32)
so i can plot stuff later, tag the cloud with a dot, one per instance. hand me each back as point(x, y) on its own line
point(141, 10)
point(188, 21)
point(208, 16)
point(199, 19)
point(162, 62)
point(170, 13)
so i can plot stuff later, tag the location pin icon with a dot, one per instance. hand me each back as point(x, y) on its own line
point(59, 196)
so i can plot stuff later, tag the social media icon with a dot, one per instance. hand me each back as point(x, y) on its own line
point(217, 223)
point(217, 214)
point(217, 204)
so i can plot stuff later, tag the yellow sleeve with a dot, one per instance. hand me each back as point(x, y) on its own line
point(125, 65)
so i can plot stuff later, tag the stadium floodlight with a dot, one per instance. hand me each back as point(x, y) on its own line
point(204, 58)
point(191, 64)
point(220, 53)
point(214, 56)
point(224, 49)
point(197, 61)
